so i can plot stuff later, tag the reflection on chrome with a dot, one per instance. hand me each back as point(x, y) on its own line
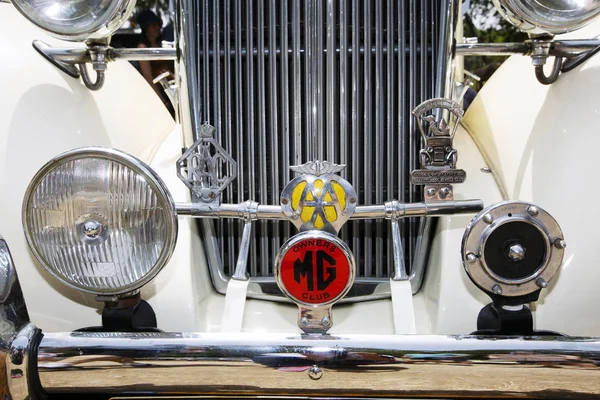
point(238, 364)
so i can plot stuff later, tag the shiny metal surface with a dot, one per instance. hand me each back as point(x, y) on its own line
point(13, 312)
point(475, 240)
point(548, 16)
point(443, 72)
point(205, 167)
point(400, 210)
point(558, 48)
point(15, 331)
point(343, 204)
point(78, 55)
point(301, 63)
point(77, 20)
point(18, 363)
point(280, 364)
point(516, 252)
point(73, 277)
point(248, 211)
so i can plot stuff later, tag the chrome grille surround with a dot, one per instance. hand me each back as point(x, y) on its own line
point(273, 112)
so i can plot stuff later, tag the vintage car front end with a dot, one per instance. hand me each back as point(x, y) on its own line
point(322, 219)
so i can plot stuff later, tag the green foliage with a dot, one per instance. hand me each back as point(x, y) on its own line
point(483, 21)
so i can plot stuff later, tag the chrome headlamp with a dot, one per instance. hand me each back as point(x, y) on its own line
point(77, 20)
point(100, 220)
point(548, 16)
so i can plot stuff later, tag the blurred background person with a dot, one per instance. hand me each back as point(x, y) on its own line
point(151, 36)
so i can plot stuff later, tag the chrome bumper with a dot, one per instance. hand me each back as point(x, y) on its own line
point(301, 365)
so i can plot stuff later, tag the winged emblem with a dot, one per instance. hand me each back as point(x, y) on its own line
point(317, 168)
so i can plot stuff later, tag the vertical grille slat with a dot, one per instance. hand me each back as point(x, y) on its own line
point(297, 149)
point(273, 131)
point(357, 161)
point(379, 161)
point(286, 130)
point(412, 102)
point(392, 166)
point(367, 185)
point(239, 152)
point(343, 93)
point(262, 137)
point(250, 117)
point(228, 124)
point(331, 85)
point(286, 82)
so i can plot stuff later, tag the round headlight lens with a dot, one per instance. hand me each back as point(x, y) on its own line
point(100, 220)
point(77, 19)
point(548, 16)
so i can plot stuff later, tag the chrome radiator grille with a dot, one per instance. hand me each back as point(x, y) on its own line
point(288, 82)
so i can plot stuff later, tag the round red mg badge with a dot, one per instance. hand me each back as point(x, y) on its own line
point(314, 268)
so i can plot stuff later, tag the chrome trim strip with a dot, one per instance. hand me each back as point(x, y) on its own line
point(269, 212)
point(558, 48)
point(280, 364)
point(79, 55)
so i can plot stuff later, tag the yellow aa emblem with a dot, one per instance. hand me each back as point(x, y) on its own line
point(322, 202)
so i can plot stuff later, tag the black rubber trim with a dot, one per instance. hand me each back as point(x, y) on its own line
point(573, 63)
point(36, 392)
point(56, 63)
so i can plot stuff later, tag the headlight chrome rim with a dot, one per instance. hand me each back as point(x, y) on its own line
point(136, 165)
point(113, 18)
point(535, 17)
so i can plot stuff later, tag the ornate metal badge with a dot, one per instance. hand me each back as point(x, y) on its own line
point(318, 199)
point(315, 268)
point(438, 157)
point(206, 168)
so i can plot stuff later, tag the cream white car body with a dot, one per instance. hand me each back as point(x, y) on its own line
point(538, 141)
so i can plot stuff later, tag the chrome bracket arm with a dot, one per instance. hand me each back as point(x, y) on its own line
point(394, 212)
point(248, 211)
point(68, 59)
point(568, 53)
point(237, 288)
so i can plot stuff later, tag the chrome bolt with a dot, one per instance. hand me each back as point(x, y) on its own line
point(352, 200)
point(486, 170)
point(497, 289)
point(315, 373)
point(516, 252)
point(541, 282)
point(325, 321)
point(304, 321)
point(488, 218)
point(533, 210)
point(430, 191)
point(560, 244)
point(471, 258)
point(444, 192)
point(91, 229)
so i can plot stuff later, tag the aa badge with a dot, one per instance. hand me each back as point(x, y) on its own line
point(318, 199)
